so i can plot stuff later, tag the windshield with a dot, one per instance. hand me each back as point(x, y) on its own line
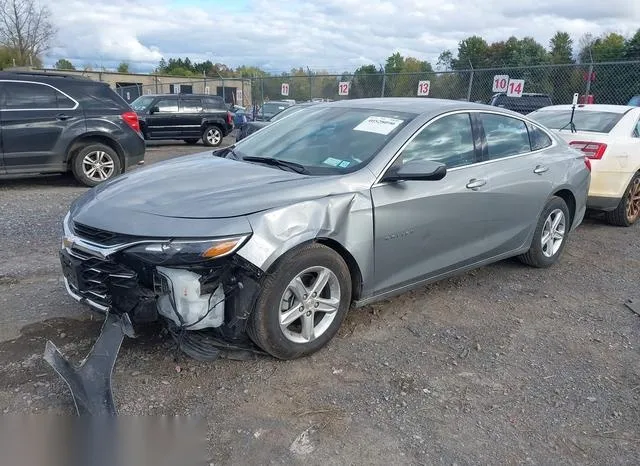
point(326, 141)
point(141, 103)
point(585, 120)
point(273, 107)
point(286, 112)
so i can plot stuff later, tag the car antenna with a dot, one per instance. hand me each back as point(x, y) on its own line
point(571, 125)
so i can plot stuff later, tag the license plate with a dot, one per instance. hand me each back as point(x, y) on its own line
point(69, 270)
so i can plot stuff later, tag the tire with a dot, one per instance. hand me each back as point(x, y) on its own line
point(85, 160)
point(545, 255)
point(191, 141)
point(628, 210)
point(212, 136)
point(290, 340)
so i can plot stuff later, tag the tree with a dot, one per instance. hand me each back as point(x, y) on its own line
point(25, 28)
point(472, 52)
point(632, 47)
point(64, 64)
point(445, 61)
point(123, 67)
point(561, 48)
point(394, 64)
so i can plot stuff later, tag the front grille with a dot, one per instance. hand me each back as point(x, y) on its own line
point(93, 278)
point(103, 237)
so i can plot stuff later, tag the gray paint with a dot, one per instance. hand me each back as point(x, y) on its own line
point(399, 233)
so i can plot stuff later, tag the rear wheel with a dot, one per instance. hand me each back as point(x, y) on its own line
point(191, 141)
point(628, 210)
point(550, 237)
point(212, 136)
point(302, 303)
point(95, 163)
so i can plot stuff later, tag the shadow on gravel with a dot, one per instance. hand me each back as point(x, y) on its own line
point(41, 181)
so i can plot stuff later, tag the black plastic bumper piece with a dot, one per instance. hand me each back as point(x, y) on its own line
point(90, 383)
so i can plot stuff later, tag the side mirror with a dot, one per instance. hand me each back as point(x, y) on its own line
point(418, 170)
point(153, 110)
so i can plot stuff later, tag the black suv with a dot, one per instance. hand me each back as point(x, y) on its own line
point(53, 123)
point(189, 117)
point(525, 104)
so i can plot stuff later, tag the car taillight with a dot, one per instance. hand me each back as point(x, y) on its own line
point(593, 150)
point(131, 118)
point(229, 118)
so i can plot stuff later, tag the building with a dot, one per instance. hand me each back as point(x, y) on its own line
point(132, 85)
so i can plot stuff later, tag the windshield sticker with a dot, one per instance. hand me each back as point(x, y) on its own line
point(333, 162)
point(344, 164)
point(379, 125)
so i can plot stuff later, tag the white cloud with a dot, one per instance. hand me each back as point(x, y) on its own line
point(336, 35)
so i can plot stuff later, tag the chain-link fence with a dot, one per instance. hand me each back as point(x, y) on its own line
point(602, 83)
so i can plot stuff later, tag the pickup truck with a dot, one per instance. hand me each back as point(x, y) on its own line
point(190, 117)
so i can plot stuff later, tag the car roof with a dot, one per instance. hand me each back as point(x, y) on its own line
point(524, 94)
point(415, 105)
point(592, 108)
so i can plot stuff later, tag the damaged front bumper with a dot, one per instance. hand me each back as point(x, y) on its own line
point(205, 306)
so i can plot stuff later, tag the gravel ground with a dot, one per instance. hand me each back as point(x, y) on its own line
point(503, 365)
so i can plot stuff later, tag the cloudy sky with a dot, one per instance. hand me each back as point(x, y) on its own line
point(334, 35)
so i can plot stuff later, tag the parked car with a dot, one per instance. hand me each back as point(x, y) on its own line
point(275, 238)
point(524, 104)
point(253, 126)
point(51, 123)
point(634, 101)
point(610, 137)
point(269, 109)
point(190, 117)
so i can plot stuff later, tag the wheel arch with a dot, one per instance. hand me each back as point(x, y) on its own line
point(89, 138)
point(570, 199)
point(354, 268)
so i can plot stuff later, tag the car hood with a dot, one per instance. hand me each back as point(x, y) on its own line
point(200, 186)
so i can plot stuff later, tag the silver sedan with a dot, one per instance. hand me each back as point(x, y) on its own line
point(268, 243)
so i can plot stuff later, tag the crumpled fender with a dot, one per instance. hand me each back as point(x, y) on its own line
point(344, 218)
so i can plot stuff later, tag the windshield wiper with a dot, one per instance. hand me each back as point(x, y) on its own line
point(296, 167)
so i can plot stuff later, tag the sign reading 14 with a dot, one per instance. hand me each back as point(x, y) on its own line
point(513, 87)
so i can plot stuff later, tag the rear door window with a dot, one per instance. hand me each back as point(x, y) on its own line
point(506, 136)
point(34, 96)
point(190, 105)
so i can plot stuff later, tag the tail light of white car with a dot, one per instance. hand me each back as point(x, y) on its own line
point(593, 150)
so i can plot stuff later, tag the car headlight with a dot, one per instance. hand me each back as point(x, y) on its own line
point(185, 252)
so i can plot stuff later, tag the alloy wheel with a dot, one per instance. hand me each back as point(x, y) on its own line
point(98, 165)
point(633, 201)
point(309, 304)
point(553, 233)
point(213, 136)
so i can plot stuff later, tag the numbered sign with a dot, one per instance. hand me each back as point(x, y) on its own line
point(515, 88)
point(500, 82)
point(424, 87)
point(343, 88)
point(284, 89)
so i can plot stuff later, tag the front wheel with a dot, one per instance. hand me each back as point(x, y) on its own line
point(95, 163)
point(302, 302)
point(550, 236)
point(628, 210)
point(212, 136)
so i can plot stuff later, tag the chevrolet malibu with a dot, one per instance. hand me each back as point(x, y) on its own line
point(267, 244)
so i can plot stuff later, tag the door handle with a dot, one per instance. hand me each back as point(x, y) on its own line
point(475, 184)
point(540, 169)
point(62, 117)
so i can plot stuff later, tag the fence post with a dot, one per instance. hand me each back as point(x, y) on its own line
point(384, 82)
point(588, 90)
point(470, 86)
point(310, 84)
point(262, 92)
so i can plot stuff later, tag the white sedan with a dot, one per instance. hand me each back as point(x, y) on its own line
point(610, 137)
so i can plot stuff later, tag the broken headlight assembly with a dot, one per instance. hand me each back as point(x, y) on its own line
point(185, 252)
